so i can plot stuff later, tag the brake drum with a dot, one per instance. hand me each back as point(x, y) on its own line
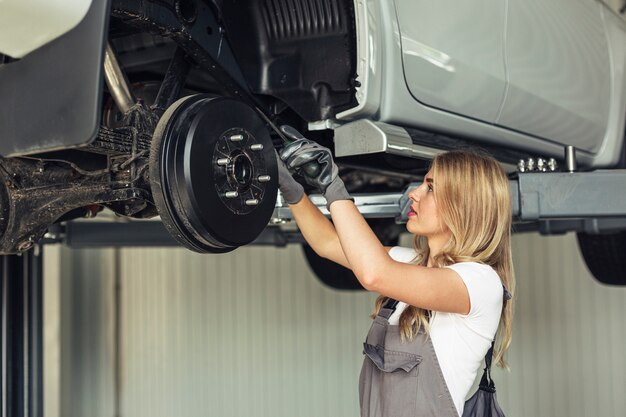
point(213, 173)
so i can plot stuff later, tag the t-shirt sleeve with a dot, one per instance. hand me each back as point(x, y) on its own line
point(400, 254)
point(484, 288)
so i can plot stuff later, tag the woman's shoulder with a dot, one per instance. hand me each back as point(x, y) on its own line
point(477, 269)
point(482, 281)
point(478, 266)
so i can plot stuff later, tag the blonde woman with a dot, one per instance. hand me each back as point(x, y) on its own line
point(440, 302)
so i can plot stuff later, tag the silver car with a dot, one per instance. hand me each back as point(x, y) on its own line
point(170, 108)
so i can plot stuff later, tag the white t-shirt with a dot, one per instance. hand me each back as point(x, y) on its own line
point(461, 341)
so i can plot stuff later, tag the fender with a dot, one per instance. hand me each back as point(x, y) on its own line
point(61, 80)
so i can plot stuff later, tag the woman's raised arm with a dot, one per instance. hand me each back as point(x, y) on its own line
point(318, 231)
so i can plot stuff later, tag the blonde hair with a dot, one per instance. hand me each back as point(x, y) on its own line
point(473, 199)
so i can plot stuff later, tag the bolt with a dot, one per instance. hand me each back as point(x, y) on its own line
point(521, 165)
point(236, 138)
point(256, 147)
point(541, 164)
point(25, 245)
point(223, 161)
point(552, 164)
point(263, 178)
point(252, 202)
point(530, 164)
point(231, 194)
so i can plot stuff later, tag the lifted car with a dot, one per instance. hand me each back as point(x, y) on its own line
point(170, 108)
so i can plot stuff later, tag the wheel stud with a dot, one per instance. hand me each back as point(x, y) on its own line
point(252, 202)
point(263, 178)
point(223, 161)
point(236, 138)
point(256, 147)
point(231, 194)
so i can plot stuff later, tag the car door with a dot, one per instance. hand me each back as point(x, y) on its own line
point(453, 54)
point(558, 71)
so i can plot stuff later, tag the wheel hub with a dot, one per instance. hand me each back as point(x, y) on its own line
point(213, 173)
point(241, 180)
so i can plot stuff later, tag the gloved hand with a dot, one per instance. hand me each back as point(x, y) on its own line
point(290, 188)
point(302, 152)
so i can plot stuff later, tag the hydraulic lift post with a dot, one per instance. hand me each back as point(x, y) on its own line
point(21, 300)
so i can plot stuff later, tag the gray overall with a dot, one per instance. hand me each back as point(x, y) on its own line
point(401, 379)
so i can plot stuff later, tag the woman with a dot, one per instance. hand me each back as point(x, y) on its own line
point(422, 352)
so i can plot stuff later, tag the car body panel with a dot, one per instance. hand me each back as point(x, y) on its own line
point(385, 96)
point(26, 25)
point(453, 54)
point(615, 28)
point(558, 72)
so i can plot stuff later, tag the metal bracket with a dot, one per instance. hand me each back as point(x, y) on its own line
point(570, 195)
point(365, 137)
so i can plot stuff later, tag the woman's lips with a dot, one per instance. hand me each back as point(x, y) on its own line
point(412, 213)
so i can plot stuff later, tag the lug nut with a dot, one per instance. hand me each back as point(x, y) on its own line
point(236, 138)
point(521, 165)
point(530, 164)
point(252, 202)
point(263, 178)
point(223, 161)
point(256, 147)
point(231, 194)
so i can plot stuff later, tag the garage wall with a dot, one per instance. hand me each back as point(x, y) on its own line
point(86, 326)
point(253, 333)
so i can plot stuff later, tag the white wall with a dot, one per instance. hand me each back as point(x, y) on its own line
point(253, 333)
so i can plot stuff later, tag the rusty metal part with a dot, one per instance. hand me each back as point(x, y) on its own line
point(35, 194)
point(173, 82)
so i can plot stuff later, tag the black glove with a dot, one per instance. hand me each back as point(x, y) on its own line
point(291, 190)
point(303, 152)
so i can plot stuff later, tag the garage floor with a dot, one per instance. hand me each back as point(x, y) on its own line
point(253, 333)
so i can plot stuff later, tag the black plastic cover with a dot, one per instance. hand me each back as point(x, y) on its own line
point(51, 97)
point(300, 51)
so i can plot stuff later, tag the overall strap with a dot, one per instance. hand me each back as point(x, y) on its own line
point(388, 309)
point(486, 383)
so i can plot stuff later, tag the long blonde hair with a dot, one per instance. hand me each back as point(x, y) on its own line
point(473, 199)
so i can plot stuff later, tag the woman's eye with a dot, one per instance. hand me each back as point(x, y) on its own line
point(430, 188)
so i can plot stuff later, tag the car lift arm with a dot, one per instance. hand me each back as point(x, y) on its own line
point(548, 203)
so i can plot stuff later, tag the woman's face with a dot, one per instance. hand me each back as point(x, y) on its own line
point(424, 219)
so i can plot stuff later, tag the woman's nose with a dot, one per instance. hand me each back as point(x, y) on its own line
point(415, 194)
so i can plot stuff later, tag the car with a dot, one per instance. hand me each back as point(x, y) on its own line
point(171, 108)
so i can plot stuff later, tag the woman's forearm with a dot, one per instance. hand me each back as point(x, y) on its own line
point(318, 231)
point(360, 245)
